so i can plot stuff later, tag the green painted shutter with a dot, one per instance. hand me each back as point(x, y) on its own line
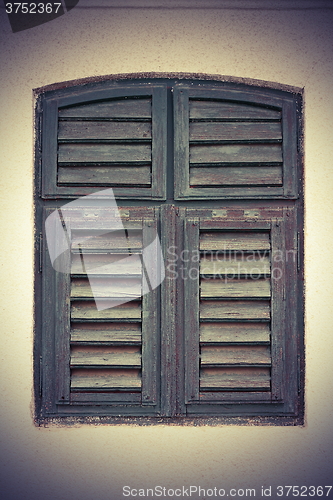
point(107, 356)
point(234, 144)
point(237, 296)
point(105, 138)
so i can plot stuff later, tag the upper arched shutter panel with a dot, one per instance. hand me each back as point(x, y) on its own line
point(232, 143)
point(106, 138)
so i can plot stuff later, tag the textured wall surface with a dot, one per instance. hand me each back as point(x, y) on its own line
point(285, 42)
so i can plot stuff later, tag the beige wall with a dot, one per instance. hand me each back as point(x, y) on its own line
point(85, 462)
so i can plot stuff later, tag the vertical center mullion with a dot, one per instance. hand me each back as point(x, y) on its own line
point(168, 312)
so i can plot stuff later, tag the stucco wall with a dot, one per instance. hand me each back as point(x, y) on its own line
point(289, 46)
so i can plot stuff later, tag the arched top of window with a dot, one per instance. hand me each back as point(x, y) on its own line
point(216, 139)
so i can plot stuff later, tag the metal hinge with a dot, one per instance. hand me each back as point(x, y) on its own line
point(299, 128)
point(39, 155)
point(298, 134)
point(298, 373)
point(298, 252)
point(41, 252)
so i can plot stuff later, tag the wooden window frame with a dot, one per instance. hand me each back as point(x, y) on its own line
point(171, 377)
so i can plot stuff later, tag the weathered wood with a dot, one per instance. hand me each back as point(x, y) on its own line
point(214, 288)
point(126, 288)
point(100, 153)
point(150, 314)
point(251, 379)
point(62, 323)
point(106, 264)
point(232, 192)
point(235, 176)
point(159, 146)
point(181, 142)
point(123, 396)
point(192, 346)
point(291, 127)
point(235, 355)
point(110, 175)
point(234, 131)
point(101, 380)
point(232, 153)
point(204, 109)
point(94, 221)
point(106, 333)
point(241, 395)
point(234, 333)
point(226, 240)
point(237, 220)
point(86, 311)
point(252, 264)
point(169, 325)
point(117, 108)
point(103, 130)
point(278, 319)
point(234, 309)
point(86, 241)
point(112, 357)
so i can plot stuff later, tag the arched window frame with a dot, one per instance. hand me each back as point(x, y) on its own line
point(173, 352)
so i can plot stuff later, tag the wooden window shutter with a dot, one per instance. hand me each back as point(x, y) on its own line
point(108, 355)
point(98, 138)
point(234, 143)
point(213, 168)
point(237, 297)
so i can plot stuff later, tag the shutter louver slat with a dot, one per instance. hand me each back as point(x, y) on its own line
point(231, 355)
point(95, 357)
point(242, 176)
point(203, 132)
point(221, 288)
point(105, 380)
point(117, 175)
point(103, 154)
point(235, 265)
point(86, 311)
point(111, 109)
point(230, 309)
point(232, 379)
point(234, 333)
point(106, 288)
point(230, 110)
point(234, 154)
point(105, 131)
point(106, 334)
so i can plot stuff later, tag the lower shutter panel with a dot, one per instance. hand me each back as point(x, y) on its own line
point(112, 354)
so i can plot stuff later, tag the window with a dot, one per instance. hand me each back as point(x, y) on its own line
point(213, 169)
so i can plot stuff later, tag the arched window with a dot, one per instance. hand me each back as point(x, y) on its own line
point(210, 168)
